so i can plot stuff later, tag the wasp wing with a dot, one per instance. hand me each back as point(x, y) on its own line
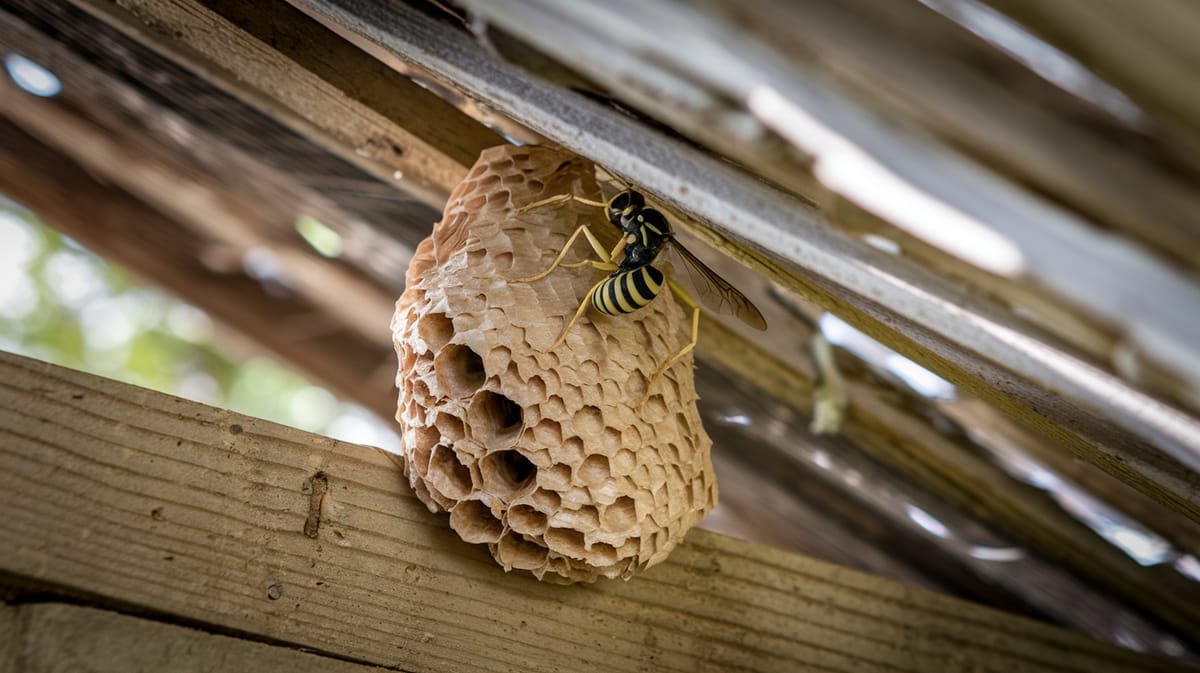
point(716, 293)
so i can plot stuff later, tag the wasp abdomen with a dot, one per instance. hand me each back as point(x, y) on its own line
point(627, 291)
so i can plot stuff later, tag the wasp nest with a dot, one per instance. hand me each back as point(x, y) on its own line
point(548, 457)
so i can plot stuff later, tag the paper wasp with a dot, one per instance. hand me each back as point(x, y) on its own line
point(634, 281)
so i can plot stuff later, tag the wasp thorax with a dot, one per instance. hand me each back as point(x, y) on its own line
point(549, 457)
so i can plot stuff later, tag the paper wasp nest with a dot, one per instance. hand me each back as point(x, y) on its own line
point(546, 457)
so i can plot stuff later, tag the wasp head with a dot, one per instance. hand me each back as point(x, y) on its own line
point(623, 210)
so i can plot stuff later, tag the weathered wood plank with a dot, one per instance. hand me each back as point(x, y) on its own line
point(915, 437)
point(1148, 50)
point(298, 72)
point(905, 61)
point(48, 637)
point(887, 461)
point(10, 630)
point(152, 501)
point(963, 476)
point(980, 422)
point(974, 343)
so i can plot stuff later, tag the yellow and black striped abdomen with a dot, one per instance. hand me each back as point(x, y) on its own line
point(627, 291)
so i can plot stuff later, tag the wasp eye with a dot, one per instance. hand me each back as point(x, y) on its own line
point(627, 200)
point(654, 219)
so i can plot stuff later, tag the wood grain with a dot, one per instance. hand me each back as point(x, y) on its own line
point(47, 637)
point(148, 500)
point(299, 73)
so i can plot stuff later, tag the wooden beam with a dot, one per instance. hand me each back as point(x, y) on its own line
point(888, 461)
point(301, 74)
point(995, 108)
point(47, 637)
point(121, 494)
point(1146, 51)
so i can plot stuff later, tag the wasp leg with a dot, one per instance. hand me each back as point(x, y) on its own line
point(562, 198)
point(618, 248)
point(603, 266)
point(596, 246)
point(687, 300)
point(587, 298)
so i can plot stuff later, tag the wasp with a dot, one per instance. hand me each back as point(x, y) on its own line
point(634, 281)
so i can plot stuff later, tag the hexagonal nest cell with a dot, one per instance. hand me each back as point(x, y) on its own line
point(546, 457)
